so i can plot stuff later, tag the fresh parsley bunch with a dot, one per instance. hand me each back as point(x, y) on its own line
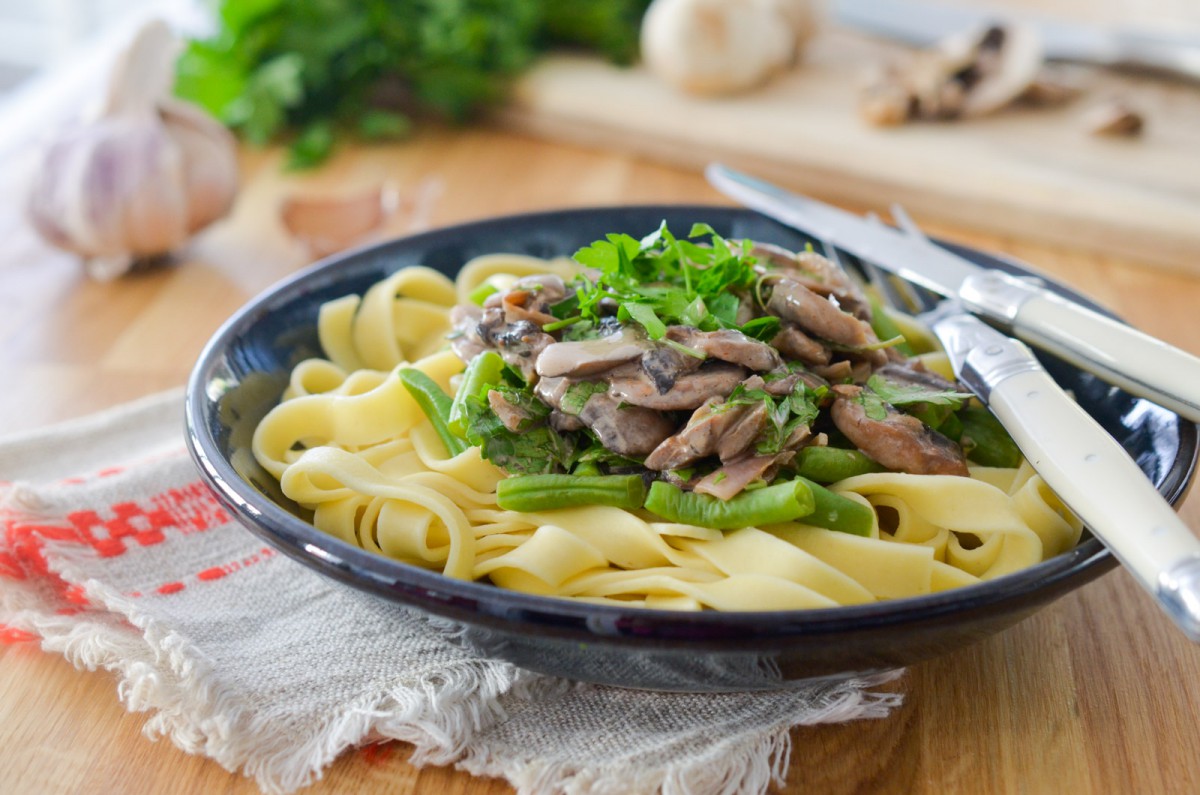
point(321, 68)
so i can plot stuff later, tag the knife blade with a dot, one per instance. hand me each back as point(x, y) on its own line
point(1117, 353)
point(921, 23)
point(1079, 461)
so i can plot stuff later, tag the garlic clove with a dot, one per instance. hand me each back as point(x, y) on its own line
point(1113, 118)
point(328, 224)
point(139, 179)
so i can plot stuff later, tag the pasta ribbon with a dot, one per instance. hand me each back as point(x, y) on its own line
point(403, 318)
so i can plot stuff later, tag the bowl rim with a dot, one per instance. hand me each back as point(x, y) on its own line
point(343, 561)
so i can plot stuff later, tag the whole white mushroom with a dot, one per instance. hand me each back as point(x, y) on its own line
point(723, 46)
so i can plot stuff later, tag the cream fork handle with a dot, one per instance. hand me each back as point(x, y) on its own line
point(1093, 475)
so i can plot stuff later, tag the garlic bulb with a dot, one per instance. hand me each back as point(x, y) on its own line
point(723, 46)
point(138, 178)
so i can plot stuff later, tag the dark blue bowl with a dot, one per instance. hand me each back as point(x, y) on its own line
point(242, 371)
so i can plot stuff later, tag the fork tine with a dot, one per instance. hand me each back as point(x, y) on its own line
point(905, 222)
point(891, 289)
point(900, 293)
point(864, 272)
point(896, 292)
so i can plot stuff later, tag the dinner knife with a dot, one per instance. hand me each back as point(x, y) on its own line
point(921, 23)
point(1079, 461)
point(1121, 355)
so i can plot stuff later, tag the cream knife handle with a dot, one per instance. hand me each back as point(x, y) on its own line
point(1093, 475)
point(1136, 362)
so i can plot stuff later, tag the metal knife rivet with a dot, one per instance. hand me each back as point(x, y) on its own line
point(993, 350)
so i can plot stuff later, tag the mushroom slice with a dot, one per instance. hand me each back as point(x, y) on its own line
point(698, 438)
point(728, 345)
point(732, 478)
point(688, 392)
point(714, 427)
point(590, 357)
point(510, 414)
point(1055, 85)
point(972, 73)
point(626, 430)
point(738, 437)
point(898, 441)
point(529, 298)
point(1008, 60)
point(795, 344)
point(794, 303)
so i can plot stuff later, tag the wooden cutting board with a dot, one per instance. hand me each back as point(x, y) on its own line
point(1033, 173)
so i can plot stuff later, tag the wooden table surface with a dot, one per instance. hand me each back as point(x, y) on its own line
point(1097, 693)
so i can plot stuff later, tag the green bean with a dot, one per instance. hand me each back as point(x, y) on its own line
point(993, 447)
point(782, 502)
point(885, 328)
point(835, 512)
point(544, 492)
point(831, 464)
point(587, 468)
point(481, 293)
point(951, 427)
point(436, 405)
point(483, 371)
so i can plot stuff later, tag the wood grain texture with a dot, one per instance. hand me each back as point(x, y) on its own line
point(1031, 172)
point(1095, 694)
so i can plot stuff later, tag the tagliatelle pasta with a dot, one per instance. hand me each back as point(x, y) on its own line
point(349, 444)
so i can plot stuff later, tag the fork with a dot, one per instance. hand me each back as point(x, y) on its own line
point(1085, 466)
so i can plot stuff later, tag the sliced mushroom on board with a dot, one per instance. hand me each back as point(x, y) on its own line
point(973, 73)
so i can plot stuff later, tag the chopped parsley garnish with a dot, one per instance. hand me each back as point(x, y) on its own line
point(900, 394)
point(662, 281)
point(578, 394)
point(931, 406)
point(535, 450)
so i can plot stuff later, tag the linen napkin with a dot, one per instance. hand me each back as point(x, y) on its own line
point(116, 555)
